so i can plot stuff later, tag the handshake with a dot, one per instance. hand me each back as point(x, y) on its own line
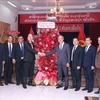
point(41, 54)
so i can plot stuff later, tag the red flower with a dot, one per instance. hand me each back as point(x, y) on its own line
point(46, 42)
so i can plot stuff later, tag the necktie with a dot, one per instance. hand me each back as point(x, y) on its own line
point(10, 51)
point(22, 49)
point(98, 50)
point(31, 45)
point(60, 46)
point(74, 48)
point(86, 49)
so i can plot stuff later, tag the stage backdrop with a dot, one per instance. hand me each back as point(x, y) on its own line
point(90, 21)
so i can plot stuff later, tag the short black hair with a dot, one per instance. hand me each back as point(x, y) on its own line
point(89, 38)
point(20, 36)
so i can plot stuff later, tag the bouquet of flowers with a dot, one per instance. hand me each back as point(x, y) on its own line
point(47, 70)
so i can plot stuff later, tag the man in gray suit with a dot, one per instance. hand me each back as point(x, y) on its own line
point(63, 60)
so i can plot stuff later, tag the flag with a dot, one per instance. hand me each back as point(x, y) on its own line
point(31, 31)
point(81, 38)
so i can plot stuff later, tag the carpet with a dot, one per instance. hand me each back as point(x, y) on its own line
point(91, 98)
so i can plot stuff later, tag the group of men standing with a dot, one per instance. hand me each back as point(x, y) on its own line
point(22, 54)
point(77, 58)
point(88, 59)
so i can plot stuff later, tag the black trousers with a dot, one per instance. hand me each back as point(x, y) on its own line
point(76, 77)
point(8, 71)
point(89, 77)
point(28, 71)
point(0, 72)
point(19, 68)
point(62, 70)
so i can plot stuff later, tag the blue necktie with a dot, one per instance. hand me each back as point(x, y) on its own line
point(86, 49)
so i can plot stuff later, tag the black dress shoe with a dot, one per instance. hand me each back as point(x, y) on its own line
point(59, 86)
point(77, 89)
point(97, 92)
point(66, 87)
point(6, 83)
point(84, 89)
point(24, 86)
point(90, 90)
point(18, 83)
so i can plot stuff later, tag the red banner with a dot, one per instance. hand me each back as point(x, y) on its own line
point(65, 18)
point(69, 27)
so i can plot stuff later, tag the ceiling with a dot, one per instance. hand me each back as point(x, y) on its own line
point(44, 6)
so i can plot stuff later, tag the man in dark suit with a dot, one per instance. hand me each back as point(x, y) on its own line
point(2, 60)
point(76, 64)
point(29, 60)
point(63, 57)
point(8, 67)
point(88, 65)
point(18, 59)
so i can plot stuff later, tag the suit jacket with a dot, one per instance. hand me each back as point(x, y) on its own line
point(77, 57)
point(2, 53)
point(6, 49)
point(29, 53)
point(17, 53)
point(89, 57)
point(97, 60)
point(63, 56)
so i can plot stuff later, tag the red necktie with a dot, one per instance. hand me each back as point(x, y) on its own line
point(98, 50)
point(31, 45)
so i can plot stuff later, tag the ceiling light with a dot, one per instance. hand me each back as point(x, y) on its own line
point(91, 5)
point(27, 7)
point(57, 10)
point(11, 4)
point(33, 0)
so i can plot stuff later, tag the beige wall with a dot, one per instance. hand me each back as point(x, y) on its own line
point(8, 15)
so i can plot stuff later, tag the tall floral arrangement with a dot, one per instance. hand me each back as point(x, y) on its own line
point(47, 70)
